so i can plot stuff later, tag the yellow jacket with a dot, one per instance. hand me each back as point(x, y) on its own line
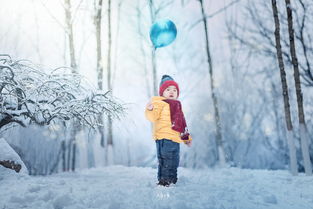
point(161, 118)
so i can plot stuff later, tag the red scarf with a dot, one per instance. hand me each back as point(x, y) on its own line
point(177, 118)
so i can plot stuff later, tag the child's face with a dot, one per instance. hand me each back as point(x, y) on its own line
point(170, 92)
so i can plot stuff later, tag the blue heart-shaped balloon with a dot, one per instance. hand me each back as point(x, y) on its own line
point(162, 33)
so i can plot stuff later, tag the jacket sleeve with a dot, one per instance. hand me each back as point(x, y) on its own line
point(154, 114)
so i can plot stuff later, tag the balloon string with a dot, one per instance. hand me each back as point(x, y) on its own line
point(153, 51)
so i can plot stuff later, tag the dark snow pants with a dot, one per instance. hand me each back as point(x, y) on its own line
point(168, 158)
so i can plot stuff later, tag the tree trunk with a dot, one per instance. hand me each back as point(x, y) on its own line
point(290, 140)
point(63, 156)
point(101, 131)
point(90, 154)
point(54, 167)
point(109, 82)
point(143, 54)
point(73, 147)
point(74, 157)
point(153, 56)
point(69, 33)
point(69, 151)
point(302, 125)
point(97, 22)
point(114, 69)
point(219, 140)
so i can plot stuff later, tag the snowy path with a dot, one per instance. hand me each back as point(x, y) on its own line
point(121, 187)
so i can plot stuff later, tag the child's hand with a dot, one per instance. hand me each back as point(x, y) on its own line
point(149, 106)
point(188, 143)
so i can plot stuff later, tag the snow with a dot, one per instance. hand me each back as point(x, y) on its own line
point(117, 187)
point(7, 153)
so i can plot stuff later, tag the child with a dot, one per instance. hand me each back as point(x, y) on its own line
point(169, 129)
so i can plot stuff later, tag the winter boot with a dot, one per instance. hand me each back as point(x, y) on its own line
point(164, 183)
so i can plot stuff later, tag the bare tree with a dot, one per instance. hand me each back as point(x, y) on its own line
point(98, 22)
point(109, 153)
point(219, 140)
point(291, 144)
point(71, 159)
point(301, 116)
point(304, 38)
point(259, 43)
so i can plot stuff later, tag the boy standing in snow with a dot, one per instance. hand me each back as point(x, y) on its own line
point(169, 129)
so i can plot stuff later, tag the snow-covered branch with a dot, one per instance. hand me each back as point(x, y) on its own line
point(11, 165)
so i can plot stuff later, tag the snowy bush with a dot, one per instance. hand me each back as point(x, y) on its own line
point(29, 95)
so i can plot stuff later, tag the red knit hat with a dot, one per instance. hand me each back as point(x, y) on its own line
point(167, 81)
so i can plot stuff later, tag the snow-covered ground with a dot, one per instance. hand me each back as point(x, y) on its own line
point(118, 187)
